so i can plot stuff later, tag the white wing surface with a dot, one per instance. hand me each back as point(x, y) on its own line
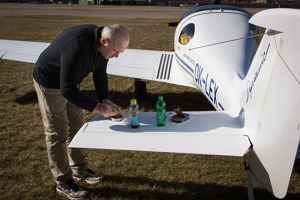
point(210, 133)
point(21, 50)
point(150, 65)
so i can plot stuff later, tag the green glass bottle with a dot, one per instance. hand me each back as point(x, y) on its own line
point(160, 112)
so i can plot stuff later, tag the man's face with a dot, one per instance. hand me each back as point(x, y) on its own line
point(113, 48)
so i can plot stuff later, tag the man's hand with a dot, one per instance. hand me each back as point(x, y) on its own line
point(114, 106)
point(107, 108)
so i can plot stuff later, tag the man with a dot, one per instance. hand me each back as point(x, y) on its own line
point(61, 67)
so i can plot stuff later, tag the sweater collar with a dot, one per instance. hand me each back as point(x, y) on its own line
point(97, 33)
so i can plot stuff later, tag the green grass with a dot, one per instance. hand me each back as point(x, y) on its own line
point(24, 171)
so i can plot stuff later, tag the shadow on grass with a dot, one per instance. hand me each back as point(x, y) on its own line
point(28, 98)
point(186, 100)
point(174, 190)
point(297, 165)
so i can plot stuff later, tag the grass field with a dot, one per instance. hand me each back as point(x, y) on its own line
point(24, 171)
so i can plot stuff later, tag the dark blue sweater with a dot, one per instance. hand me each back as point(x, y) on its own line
point(70, 58)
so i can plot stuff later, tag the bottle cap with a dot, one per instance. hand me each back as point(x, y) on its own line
point(160, 97)
point(133, 101)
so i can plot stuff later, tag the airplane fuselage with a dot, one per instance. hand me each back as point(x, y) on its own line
point(197, 46)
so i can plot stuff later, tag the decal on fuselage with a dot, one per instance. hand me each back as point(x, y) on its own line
point(204, 81)
point(208, 84)
point(251, 82)
point(191, 60)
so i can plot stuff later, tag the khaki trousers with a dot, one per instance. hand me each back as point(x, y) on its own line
point(61, 120)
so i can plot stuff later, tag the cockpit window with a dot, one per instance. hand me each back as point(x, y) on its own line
point(187, 34)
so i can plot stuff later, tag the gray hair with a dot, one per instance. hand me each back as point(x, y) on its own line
point(112, 31)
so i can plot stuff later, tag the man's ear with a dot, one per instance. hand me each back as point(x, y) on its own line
point(104, 41)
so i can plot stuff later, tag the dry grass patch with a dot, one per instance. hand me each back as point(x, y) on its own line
point(24, 171)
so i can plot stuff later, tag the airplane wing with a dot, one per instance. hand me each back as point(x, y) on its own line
point(22, 51)
point(150, 65)
point(143, 64)
point(210, 133)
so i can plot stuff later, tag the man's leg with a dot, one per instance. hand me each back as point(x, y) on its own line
point(77, 156)
point(53, 108)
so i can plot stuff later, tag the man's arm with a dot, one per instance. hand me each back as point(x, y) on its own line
point(106, 107)
point(101, 82)
point(70, 73)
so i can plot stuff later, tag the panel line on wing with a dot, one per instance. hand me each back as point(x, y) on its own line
point(2, 52)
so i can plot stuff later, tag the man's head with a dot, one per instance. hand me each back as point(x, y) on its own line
point(114, 40)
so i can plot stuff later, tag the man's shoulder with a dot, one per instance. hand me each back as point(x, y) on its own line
point(82, 27)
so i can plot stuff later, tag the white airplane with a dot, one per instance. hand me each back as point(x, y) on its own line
point(254, 89)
